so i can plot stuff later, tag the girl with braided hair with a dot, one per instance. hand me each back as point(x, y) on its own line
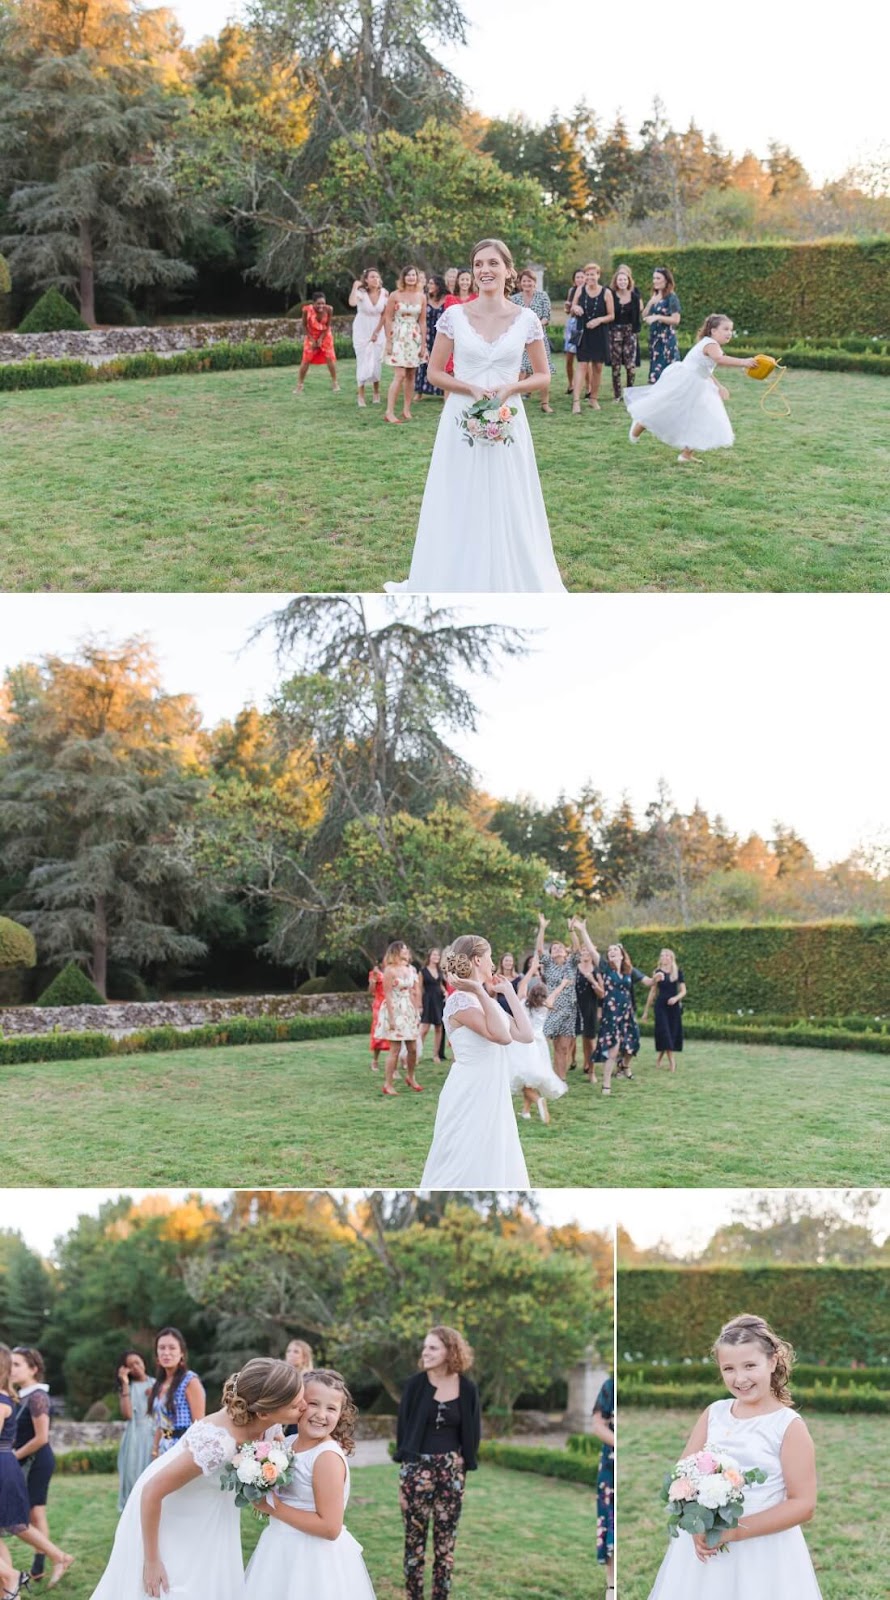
point(178, 1534)
point(765, 1556)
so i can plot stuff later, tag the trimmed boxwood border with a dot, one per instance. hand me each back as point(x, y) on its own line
point(679, 1396)
point(235, 1030)
point(565, 1464)
point(805, 1372)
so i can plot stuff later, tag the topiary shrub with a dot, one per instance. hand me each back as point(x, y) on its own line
point(51, 314)
point(5, 293)
point(71, 987)
point(17, 947)
point(335, 982)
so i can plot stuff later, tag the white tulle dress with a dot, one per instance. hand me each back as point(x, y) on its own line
point(529, 1064)
point(368, 351)
point(684, 407)
point(483, 523)
point(200, 1532)
point(776, 1566)
point(291, 1565)
point(475, 1140)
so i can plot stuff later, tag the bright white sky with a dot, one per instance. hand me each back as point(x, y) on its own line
point(747, 703)
point(685, 1219)
point(42, 1216)
point(782, 71)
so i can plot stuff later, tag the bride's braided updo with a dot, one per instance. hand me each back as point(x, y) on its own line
point(748, 1329)
point(262, 1386)
point(457, 962)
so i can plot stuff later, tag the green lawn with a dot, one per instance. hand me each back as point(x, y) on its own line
point(227, 481)
point(311, 1115)
point(521, 1537)
point(848, 1540)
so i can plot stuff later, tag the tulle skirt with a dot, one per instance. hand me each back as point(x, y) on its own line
point(530, 1069)
point(291, 1565)
point(682, 409)
point(774, 1567)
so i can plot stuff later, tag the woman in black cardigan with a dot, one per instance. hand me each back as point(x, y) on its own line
point(437, 1444)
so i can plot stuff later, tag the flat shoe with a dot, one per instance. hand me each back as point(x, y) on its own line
point(635, 437)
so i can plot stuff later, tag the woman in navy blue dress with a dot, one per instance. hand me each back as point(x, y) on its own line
point(670, 991)
point(16, 1514)
point(604, 1428)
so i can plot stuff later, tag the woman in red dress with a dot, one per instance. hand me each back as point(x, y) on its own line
point(378, 1044)
point(318, 341)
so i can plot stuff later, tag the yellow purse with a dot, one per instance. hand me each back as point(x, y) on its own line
point(764, 366)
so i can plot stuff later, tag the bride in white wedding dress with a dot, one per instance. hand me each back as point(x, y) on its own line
point(483, 523)
point(179, 1535)
point(475, 1140)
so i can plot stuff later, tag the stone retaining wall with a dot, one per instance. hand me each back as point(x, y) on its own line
point(130, 1016)
point(102, 344)
point(537, 1425)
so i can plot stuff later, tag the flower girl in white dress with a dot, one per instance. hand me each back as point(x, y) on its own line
point(178, 1534)
point(685, 407)
point(531, 1072)
point(483, 524)
point(766, 1557)
point(475, 1140)
point(306, 1553)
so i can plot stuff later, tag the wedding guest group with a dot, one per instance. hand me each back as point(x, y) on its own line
point(27, 1464)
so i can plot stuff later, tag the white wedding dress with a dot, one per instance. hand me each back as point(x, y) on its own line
point(200, 1533)
point(683, 407)
point(483, 524)
point(475, 1140)
point(776, 1566)
point(291, 1565)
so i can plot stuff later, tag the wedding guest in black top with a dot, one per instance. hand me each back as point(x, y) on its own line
point(624, 332)
point(594, 308)
point(433, 1004)
point(437, 1443)
point(589, 991)
point(32, 1446)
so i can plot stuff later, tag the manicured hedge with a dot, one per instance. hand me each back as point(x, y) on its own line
point(805, 1035)
point(584, 1444)
point(52, 313)
point(819, 289)
point(17, 948)
point(236, 1030)
point(96, 1458)
point(831, 1314)
point(805, 1372)
point(538, 1459)
point(801, 970)
point(220, 357)
point(695, 1396)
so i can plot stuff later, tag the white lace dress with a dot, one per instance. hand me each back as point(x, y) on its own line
point(368, 352)
point(683, 407)
point(291, 1565)
point(483, 523)
point(200, 1533)
point(530, 1063)
point(475, 1140)
point(776, 1566)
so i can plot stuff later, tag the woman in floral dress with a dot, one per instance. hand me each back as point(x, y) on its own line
point(400, 1014)
point(528, 294)
point(404, 323)
point(604, 1428)
point(661, 313)
point(619, 1035)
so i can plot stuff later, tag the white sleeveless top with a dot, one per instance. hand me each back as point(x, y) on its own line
point(299, 1492)
point(754, 1442)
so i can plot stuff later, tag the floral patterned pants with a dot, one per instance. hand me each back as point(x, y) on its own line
point(431, 1487)
point(624, 354)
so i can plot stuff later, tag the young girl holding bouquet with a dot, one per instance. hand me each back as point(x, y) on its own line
point(765, 1556)
point(306, 1550)
point(685, 407)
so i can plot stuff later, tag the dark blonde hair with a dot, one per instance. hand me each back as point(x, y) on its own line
point(529, 272)
point(505, 255)
point(344, 1432)
point(458, 1353)
point(400, 281)
point(457, 962)
point(748, 1329)
point(5, 1365)
point(622, 267)
point(305, 1350)
point(712, 322)
point(393, 952)
point(262, 1386)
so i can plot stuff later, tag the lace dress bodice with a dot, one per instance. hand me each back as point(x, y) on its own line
point(209, 1446)
point(466, 1044)
point(488, 364)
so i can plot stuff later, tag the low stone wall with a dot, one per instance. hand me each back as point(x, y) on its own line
point(130, 1016)
point(526, 1424)
point(102, 344)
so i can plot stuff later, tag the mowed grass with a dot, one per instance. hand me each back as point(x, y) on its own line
point(312, 1115)
point(227, 481)
point(520, 1538)
point(847, 1538)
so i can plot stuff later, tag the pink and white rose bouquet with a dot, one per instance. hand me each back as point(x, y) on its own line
point(705, 1494)
point(258, 1467)
point(485, 422)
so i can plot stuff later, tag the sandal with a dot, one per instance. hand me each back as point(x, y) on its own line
point(385, 1090)
point(411, 1083)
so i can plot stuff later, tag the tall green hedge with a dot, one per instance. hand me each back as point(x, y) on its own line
point(816, 969)
point(829, 1314)
point(825, 288)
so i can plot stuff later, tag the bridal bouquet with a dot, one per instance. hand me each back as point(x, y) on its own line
point(485, 422)
point(258, 1467)
point(705, 1493)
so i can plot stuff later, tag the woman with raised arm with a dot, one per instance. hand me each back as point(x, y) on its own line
point(475, 1140)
